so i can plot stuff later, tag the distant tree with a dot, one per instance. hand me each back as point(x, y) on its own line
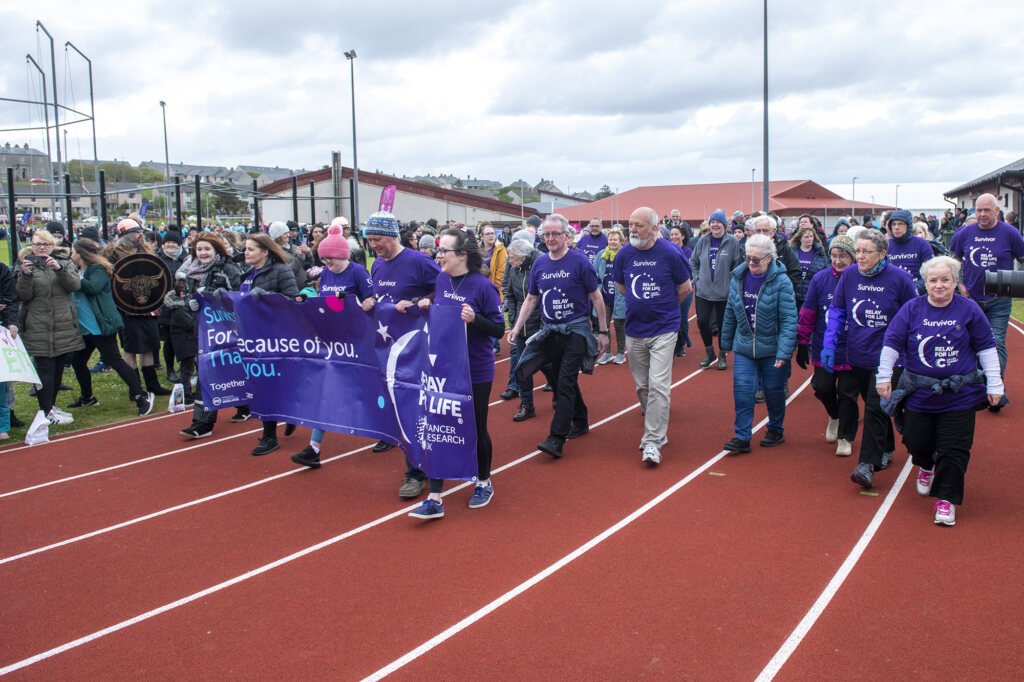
point(604, 192)
point(227, 202)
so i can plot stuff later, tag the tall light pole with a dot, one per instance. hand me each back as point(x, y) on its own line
point(872, 205)
point(53, 78)
point(46, 118)
point(752, 189)
point(351, 57)
point(167, 160)
point(92, 114)
point(853, 197)
point(897, 201)
point(764, 173)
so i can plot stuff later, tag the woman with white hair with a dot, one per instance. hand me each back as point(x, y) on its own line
point(760, 327)
point(864, 302)
point(943, 338)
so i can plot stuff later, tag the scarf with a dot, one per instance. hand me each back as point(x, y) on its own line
point(907, 236)
point(198, 271)
point(609, 254)
point(877, 269)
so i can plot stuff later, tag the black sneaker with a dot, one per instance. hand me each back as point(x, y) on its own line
point(64, 387)
point(307, 457)
point(552, 447)
point(548, 388)
point(145, 404)
point(737, 445)
point(289, 429)
point(772, 438)
point(509, 394)
point(241, 414)
point(576, 430)
point(84, 402)
point(15, 422)
point(266, 446)
point(382, 446)
point(195, 431)
point(524, 413)
point(759, 396)
point(863, 475)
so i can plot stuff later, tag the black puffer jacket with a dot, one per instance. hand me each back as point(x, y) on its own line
point(223, 275)
point(277, 278)
point(516, 286)
point(8, 297)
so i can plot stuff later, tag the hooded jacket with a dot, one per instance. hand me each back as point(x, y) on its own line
point(775, 318)
point(48, 319)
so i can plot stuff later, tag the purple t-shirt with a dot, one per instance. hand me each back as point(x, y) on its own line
point(941, 342)
point(564, 286)
point(870, 304)
point(985, 251)
point(713, 246)
point(806, 258)
point(590, 245)
point(650, 278)
point(751, 290)
point(608, 283)
point(408, 275)
point(482, 296)
point(910, 256)
point(819, 298)
point(352, 280)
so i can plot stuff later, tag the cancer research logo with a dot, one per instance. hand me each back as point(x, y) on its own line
point(648, 288)
point(939, 348)
point(867, 313)
point(555, 304)
point(982, 257)
point(217, 400)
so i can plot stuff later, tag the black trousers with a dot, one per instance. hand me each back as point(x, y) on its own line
point(110, 354)
point(879, 435)
point(710, 317)
point(838, 392)
point(51, 371)
point(943, 441)
point(566, 353)
point(484, 450)
point(165, 340)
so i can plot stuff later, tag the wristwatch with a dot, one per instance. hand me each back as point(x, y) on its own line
point(604, 331)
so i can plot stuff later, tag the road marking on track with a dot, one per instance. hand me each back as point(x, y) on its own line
point(309, 550)
point(561, 563)
point(819, 606)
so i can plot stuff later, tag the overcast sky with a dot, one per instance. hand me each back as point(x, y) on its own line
point(580, 92)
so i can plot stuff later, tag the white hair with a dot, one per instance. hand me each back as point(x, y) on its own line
point(944, 261)
point(766, 218)
point(762, 242)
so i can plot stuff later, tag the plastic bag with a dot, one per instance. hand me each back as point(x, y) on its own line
point(176, 403)
point(39, 431)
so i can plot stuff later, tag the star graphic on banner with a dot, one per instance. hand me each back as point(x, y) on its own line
point(383, 331)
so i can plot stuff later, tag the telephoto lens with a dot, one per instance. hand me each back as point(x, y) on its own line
point(1006, 283)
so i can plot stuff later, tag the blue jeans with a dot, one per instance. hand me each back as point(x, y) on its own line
point(684, 323)
point(745, 375)
point(318, 436)
point(997, 310)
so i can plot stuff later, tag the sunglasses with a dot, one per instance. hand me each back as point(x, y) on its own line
point(754, 261)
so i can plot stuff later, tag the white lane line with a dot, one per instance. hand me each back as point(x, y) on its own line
point(299, 554)
point(561, 563)
point(811, 617)
point(1016, 327)
point(82, 434)
point(168, 510)
point(126, 464)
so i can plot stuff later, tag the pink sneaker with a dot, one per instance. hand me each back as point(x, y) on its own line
point(945, 513)
point(924, 481)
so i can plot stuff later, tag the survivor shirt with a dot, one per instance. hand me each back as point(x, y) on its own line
point(591, 245)
point(713, 246)
point(870, 304)
point(910, 256)
point(482, 296)
point(650, 278)
point(938, 343)
point(563, 286)
point(985, 251)
point(352, 280)
point(408, 275)
point(805, 258)
point(751, 290)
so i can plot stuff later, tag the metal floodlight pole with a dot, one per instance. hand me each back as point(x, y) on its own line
point(167, 156)
point(10, 214)
point(752, 189)
point(103, 203)
point(853, 197)
point(764, 163)
point(897, 201)
point(351, 57)
point(92, 114)
point(53, 74)
point(46, 117)
point(312, 203)
point(872, 204)
point(67, 201)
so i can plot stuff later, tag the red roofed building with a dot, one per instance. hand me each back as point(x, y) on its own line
point(787, 198)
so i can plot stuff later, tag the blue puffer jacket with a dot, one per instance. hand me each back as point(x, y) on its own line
point(775, 317)
point(604, 271)
point(818, 263)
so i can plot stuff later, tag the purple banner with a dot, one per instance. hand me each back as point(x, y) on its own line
point(387, 199)
point(325, 363)
point(223, 377)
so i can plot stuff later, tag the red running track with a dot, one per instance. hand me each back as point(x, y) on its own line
point(128, 553)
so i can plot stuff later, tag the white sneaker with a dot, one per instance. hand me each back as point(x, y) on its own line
point(832, 430)
point(651, 454)
point(843, 448)
point(924, 481)
point(56, 417)
point(62, 412)
point(619, 359)
point(945, 513)
point(605, 358)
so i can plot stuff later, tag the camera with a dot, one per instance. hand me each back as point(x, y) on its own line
point(1005, 283)
point(37, 261)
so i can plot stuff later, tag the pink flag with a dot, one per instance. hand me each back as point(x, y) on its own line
point(387, 199)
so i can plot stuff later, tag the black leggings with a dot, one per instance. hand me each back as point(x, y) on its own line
point(710, 317)
point(109, 353)
point(481, 394)
point(165, 338)
point(50, 371)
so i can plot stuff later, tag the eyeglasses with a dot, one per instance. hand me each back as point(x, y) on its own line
point(552, 235)
point(754, 261)
point(441, 251)
point(39, 245)
point(865, 252)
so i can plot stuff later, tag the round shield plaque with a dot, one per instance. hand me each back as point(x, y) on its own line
point(140, 282)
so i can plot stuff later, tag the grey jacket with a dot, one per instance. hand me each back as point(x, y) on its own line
point(730, 254)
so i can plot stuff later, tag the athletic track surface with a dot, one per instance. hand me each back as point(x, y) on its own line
point(128, 553)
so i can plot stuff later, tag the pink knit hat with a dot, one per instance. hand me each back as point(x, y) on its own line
point(334, 245)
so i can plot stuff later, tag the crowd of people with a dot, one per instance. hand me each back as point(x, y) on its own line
point(884, 317)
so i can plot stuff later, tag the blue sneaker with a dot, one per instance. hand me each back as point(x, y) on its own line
point(428, 510)
point(481, 496)
point(100, 367)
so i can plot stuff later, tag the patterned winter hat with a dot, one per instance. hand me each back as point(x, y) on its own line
point(382, 224)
